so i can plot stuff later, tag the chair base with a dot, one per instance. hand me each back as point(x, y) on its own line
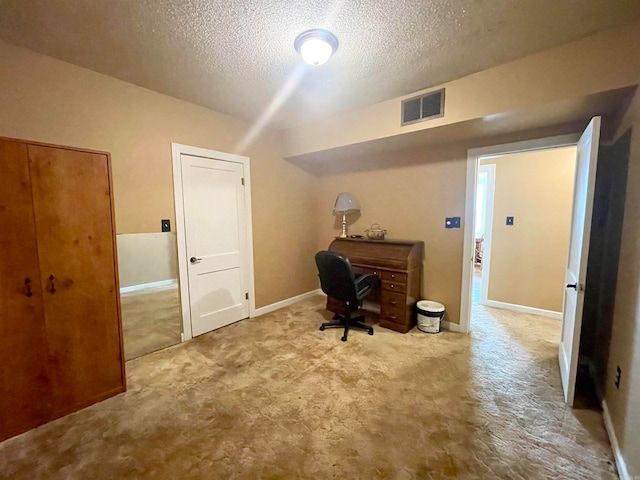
point(347, 323)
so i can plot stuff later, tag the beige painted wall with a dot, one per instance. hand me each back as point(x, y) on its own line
point(624, 403)
point(529, 259)
point(410, 194)
point(43, 99)
point(604, 61)
point(147, 258)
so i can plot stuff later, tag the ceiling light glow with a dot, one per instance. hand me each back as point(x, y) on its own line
point(316, 46)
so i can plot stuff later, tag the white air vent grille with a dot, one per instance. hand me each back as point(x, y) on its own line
point(424, 107)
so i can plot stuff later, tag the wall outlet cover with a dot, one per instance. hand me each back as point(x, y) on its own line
point(509, 220)
point(452, 222)
point(166, 225)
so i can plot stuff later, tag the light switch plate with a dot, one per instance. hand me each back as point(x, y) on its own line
point(509, 220)
point(452, 222)
point(166, 225)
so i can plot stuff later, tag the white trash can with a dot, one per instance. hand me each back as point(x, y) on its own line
point(429, 316)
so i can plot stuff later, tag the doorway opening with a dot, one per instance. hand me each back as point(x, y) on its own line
point(522, 229)
point(573, 298)
point(509, 235)
point(484, 206)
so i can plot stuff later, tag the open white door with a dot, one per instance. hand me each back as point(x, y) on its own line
point(578, 252)
point(216, 241)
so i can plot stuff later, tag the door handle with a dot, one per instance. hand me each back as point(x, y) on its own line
point(27, 287)
point(573, 285)
point(194, 260)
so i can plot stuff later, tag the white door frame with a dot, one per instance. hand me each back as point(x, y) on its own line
point(176, 151)
point(488, 227)
point(473, 156)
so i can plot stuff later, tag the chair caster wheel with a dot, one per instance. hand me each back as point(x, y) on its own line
point(370, 332)
point(321, 328)
point(344, 339)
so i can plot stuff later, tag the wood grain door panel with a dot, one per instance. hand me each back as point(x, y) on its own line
point(24, 385)
point(72, 204)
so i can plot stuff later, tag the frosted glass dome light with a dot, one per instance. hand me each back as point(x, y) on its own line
point(315, 51)
point(316, 46)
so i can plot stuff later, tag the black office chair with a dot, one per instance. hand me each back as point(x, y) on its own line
point(338, 281)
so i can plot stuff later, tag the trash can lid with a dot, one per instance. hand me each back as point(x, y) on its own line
point(430, 306)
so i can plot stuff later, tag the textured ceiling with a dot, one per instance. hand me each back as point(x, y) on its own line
point(237, 56)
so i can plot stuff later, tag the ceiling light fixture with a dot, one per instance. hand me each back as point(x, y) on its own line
point(316, 46)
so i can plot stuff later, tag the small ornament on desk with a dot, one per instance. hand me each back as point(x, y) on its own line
point(356, 236)
point(375, 232)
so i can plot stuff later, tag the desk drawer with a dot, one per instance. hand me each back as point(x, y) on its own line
point(392, 299)
point(394, 277)
point(394, 286)
point(395, 315)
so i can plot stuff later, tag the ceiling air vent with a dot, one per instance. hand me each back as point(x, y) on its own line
point(424, 107)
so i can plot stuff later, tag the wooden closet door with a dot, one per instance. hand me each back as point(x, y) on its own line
point(24, 386)
point(73, 212)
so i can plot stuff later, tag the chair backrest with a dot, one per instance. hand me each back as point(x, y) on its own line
point(336, 277)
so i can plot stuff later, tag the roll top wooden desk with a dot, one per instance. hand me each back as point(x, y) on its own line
point(398, 264)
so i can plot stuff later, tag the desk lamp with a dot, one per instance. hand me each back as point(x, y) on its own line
point(345, 203)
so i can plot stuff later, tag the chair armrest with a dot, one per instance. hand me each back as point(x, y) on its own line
point(367, 279)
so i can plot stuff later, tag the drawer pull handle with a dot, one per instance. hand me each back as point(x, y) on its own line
point(393, 317)
point(52, 284)
point(27, 287)
point(393, 302)
point(392, 285)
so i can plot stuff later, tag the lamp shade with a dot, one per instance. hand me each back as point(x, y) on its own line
point(345, 203)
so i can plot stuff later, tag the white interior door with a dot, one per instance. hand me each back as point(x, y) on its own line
point(215, 237)
point(578, 252)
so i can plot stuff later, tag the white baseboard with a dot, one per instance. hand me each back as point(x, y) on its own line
point(622, 466)
point(523, 309)
point(143, 286)
point(452, 327)
point(284, 303)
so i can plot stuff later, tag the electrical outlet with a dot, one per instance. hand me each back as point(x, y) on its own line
point(509, 220)
point(452, 222)
point(618, 374)
point(166, 225)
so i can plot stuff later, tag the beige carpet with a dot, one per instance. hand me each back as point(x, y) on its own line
point(273, 397)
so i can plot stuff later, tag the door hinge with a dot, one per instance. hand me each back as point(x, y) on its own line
point(242, 180)
point(246, 296)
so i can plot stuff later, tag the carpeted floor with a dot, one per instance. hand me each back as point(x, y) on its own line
point(273, 397)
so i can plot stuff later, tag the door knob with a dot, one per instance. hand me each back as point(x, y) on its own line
point(573, 285)
point(194, 260)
